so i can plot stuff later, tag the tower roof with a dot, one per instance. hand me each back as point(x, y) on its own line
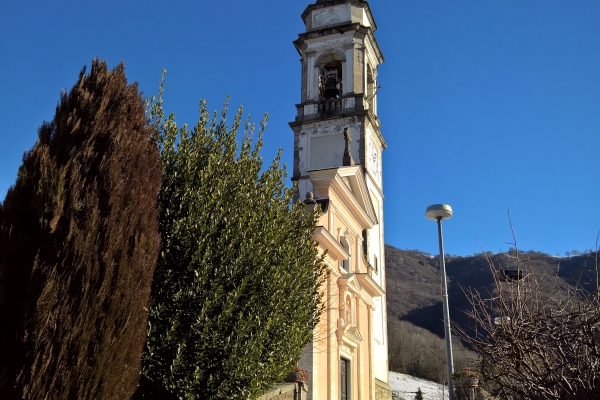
point(319, 4)
point(335, 1)
point(338, 1)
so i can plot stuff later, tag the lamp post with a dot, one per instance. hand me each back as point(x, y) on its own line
point(439, 212)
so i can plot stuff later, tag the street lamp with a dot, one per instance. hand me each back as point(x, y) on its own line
point(439, 212)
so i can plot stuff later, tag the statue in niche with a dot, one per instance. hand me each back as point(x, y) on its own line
point(347, 159)
point(348, 311)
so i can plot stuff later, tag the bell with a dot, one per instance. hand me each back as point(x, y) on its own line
point(331, 88)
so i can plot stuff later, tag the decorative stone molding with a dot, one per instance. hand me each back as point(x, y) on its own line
point(347, 349)
point(349, 237)
point(349, 337)
point(353, 333)
point(348, 102)
point(310, 109)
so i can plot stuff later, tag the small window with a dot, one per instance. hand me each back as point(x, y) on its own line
point(345, 264)
point(376, 266)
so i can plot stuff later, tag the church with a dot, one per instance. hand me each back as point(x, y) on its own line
point(337, 166)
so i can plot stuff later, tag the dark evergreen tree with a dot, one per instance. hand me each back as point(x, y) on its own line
point(78, 247)
point(419, 395)
point(236, 291)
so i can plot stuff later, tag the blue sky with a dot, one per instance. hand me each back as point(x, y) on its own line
point(484, 104)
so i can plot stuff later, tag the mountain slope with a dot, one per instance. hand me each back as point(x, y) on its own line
point(414, 283)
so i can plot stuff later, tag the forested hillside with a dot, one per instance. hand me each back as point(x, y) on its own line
point(413, 280)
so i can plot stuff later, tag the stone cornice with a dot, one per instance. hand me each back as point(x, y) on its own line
point(327, 241)
point(329, 3)
point(369, 285)
point(340, 29)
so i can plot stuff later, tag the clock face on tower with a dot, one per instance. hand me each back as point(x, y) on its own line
point(373, 159)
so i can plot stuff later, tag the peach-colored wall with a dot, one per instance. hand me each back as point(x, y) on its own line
point(326, 349)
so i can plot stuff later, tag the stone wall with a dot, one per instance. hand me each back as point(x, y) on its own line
point(383, 391)
point(285, 391)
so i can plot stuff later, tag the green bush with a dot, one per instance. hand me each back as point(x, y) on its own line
point(236, 291)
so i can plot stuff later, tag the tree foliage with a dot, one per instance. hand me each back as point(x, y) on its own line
point(78, 246)
point(236, 291)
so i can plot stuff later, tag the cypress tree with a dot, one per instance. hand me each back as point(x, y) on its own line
point(236, 291)
point(78, 247)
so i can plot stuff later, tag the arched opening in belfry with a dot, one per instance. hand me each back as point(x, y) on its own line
point(330, 77)
point(331, 80)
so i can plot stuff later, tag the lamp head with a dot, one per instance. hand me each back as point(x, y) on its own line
point(438, 212)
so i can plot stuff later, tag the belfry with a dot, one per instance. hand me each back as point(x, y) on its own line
point(337, 164)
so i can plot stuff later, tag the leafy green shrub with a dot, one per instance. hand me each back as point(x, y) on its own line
point(236, 291)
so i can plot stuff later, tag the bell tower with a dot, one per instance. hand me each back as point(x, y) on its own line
point(340, 57)
point(337, 163)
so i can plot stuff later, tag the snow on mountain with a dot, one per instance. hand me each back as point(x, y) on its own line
point(404, 387)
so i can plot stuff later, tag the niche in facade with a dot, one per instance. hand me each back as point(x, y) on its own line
point(348, 312)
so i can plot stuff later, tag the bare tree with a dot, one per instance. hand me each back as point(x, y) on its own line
point(538, 336)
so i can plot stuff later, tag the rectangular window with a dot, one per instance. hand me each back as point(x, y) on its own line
point(376, 265)
point(346, 263)
point(344, 379)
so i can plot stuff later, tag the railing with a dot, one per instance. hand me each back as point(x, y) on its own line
point(329, 105)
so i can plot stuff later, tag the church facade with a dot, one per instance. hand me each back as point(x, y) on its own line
point(337, 165)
